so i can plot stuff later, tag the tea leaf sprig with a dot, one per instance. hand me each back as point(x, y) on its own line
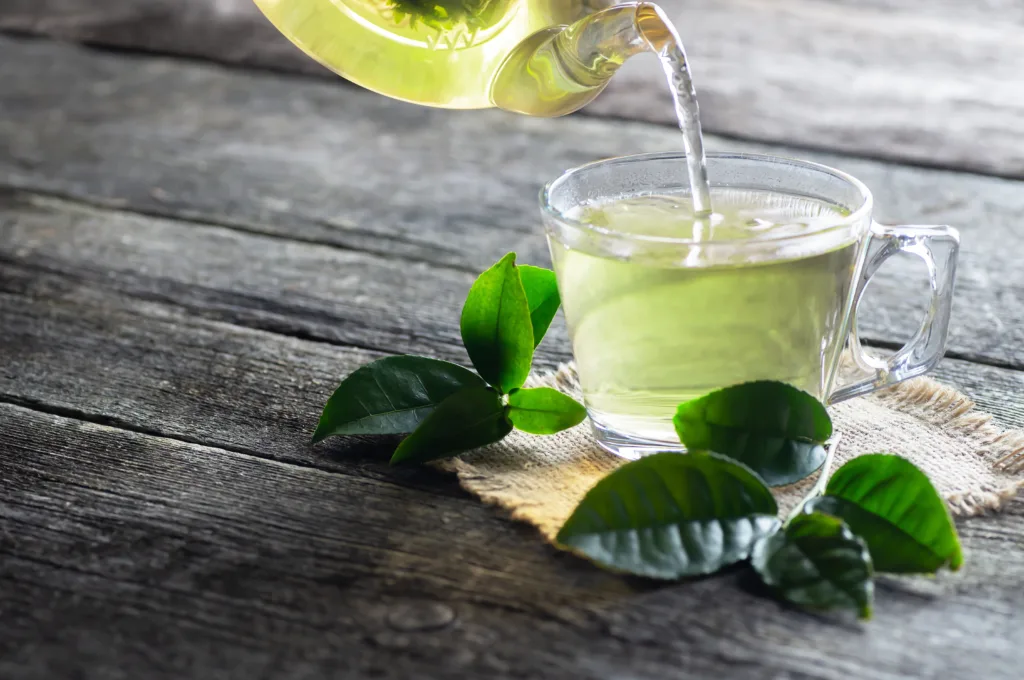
point(672, 516)
point(447, 409)
point(666, 516)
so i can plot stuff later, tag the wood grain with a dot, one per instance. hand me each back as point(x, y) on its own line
point(937, 83)
point(309, 164)
point(76, 346)
point(132, 555)
point(156, 368)
point(230, 31)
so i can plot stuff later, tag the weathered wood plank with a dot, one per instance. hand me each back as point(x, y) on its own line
point(230, 31)
point(126, 555)
point(937, 83)
point(301, 289)
point(398, 181)
point(340, 296)
point(74, 346)
point(930, 82)
point(184, 148)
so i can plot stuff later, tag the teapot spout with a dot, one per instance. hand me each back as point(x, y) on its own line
point(559, 69)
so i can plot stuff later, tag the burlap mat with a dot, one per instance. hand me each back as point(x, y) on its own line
point(975, 465)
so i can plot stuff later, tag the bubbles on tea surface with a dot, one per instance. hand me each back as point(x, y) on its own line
point(739, 215)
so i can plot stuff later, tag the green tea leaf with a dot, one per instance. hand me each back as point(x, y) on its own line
point(496, 326)
point(671, 515)
point(447, 14)
point(544, 410)
point(773, 428)
point(890, 503)
point(542, 294)
point(391, 396)
point(816, 562)
point(470, 418)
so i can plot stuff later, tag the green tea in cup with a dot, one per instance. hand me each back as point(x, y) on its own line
point(664, 306)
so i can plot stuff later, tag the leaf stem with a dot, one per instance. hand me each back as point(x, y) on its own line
point(819, 485)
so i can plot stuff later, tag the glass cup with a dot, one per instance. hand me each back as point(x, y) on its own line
point(656, 320)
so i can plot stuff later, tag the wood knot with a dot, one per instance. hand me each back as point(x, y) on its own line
point(419, 616)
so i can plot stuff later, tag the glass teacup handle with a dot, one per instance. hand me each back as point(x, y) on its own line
point(938, 247)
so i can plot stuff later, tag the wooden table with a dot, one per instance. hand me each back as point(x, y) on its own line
point(192, 256)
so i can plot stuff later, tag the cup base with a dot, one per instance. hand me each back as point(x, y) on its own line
point(631, 446)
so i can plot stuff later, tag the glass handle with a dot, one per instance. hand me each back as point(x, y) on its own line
point(938, 247)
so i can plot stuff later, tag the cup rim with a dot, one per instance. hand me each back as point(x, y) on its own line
point(856, 215)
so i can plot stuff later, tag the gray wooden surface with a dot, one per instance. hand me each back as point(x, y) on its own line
point(935, 82)
point(190, 259)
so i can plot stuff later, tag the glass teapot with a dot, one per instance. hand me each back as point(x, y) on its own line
point(538, 57)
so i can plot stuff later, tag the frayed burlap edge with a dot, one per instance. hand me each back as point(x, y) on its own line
point(951, 410)
point(933, 403)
